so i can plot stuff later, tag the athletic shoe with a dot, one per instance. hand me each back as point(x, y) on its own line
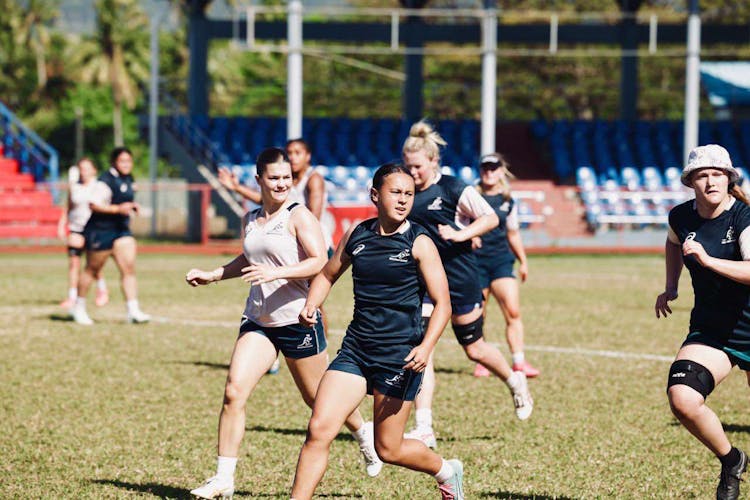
point(453, 488)
point(80, 316)
point(424, 434)
point(215, 487)
point(102, 297)
point(274, 367)
point(68, 303)
point(526, 367)
point(729, 480)
point(373, 464)
point(138, 317)
point(481, 371)
point(522, 398)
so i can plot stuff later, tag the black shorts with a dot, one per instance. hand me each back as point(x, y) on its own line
point(738, 355)
point(383, 373)
point(295, 341)
point(494, 268)
point(103, 239)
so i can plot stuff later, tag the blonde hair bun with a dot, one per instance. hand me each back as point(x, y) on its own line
point(422, 137)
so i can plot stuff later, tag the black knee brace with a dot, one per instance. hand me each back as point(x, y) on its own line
point(468, 334)
point(691, 374)
point(75, 252)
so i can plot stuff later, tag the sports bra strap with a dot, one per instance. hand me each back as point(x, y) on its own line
point(292, 206)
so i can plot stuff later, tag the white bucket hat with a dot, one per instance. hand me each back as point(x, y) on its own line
point(709, 156)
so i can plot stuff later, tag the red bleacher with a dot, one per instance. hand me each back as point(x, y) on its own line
point(25, 212)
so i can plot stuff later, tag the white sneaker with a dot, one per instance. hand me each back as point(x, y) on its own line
point(424, 434)
point(522, 397)
point(80, 316)
point(138, 317)
point(215, 487)
point(373, 464)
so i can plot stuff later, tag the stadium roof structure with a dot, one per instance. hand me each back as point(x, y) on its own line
point(727, 82)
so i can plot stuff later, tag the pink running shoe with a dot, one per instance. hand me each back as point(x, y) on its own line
point(102, 297)
point(67, 303)
point(481, 371)
point(526, 367)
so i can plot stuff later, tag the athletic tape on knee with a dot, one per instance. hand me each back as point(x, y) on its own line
point(691, 374)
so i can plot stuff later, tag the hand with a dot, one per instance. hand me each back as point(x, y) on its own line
point(692, 247)
point(257, 274)
point(125, 208)
point(196, 277)
point(449, 234)
point(136, 207)
point(228, 179)
point(523, 271)
point(309, 315)
point(662, 307)
point(476, 242)
point(417, 359)
point(61, 232)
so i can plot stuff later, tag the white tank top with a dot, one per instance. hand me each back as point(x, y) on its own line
point(79, 211)
point(299, 194)
point(279, 302)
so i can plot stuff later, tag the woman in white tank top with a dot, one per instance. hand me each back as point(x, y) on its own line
point(282, 249)
point(70, 228)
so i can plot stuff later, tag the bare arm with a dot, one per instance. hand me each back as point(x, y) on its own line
point(471, 205)
point(433, 274)
point(673, 264)
point(316, 192)
point(735, 270)
point(230, 181)
point(516, 245)
point(233, 269)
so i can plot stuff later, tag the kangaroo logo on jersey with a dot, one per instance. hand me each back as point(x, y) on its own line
point(729, 238)
point(277, 229)
point(690, 236)
point(436, 204)
point(402, 256)
point(505, 206)
point(123, 188)
point(395, 381)
point(359, 248)
point(306, 343)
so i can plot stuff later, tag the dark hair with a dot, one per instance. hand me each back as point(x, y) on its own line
point(116, 152)
point(299, 140)
point(269, 156)
point(387, 169)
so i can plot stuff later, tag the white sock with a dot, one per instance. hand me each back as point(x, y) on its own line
point(225, 467)
point(101, 284)
point(72, 293)
point(361, 434)
point(445, 473)
point(518, 357)
point(80, 303)
point(133, 306)
point(513, 381)
point(424, 418)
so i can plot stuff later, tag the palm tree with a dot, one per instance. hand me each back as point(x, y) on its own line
point(116, 55)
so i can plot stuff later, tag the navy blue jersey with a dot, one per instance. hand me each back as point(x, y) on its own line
point(495, 242)
point(121, 187)
point(388, 289)
point(722, 305)
point(438, 205)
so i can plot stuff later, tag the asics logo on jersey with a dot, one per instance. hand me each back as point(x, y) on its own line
point(690, 236)
point(729, 238)
point(306, 342)
point(401, 256)
point(123, 188)
point(436, 204)
point(359, 248)
point(395, 381)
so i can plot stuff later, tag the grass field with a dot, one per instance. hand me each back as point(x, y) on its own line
point(116, 410)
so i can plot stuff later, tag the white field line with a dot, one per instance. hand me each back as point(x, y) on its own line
point(337, 332)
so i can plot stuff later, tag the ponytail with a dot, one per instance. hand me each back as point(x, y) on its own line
point(736, 191)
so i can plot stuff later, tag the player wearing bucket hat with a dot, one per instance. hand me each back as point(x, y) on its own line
point(709, 156)
point(710, 236)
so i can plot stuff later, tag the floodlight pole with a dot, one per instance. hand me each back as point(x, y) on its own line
point(294, 71)
point(153, 110)
point(692, 79)
point(489, 79)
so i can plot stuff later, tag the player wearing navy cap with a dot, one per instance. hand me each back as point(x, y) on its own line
point(710, 236)
point(385, 349)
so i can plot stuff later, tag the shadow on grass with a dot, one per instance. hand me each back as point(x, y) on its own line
point(160, 490)
point(520, 496)
point(451, 371)
point(207, 364)
point(61, 317)
point(341, 436)
point(736, 428)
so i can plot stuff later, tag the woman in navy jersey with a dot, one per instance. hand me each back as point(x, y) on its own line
point(282, 249)
point(710, 236)
point(497, 251)
point(453, 213)
point(385, 349)
point(107, 233)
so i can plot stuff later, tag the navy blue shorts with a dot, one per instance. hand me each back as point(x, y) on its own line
point(383, 373)
point(494, 268)
point(295, 341)
point(103, 239)
point(738, 354)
